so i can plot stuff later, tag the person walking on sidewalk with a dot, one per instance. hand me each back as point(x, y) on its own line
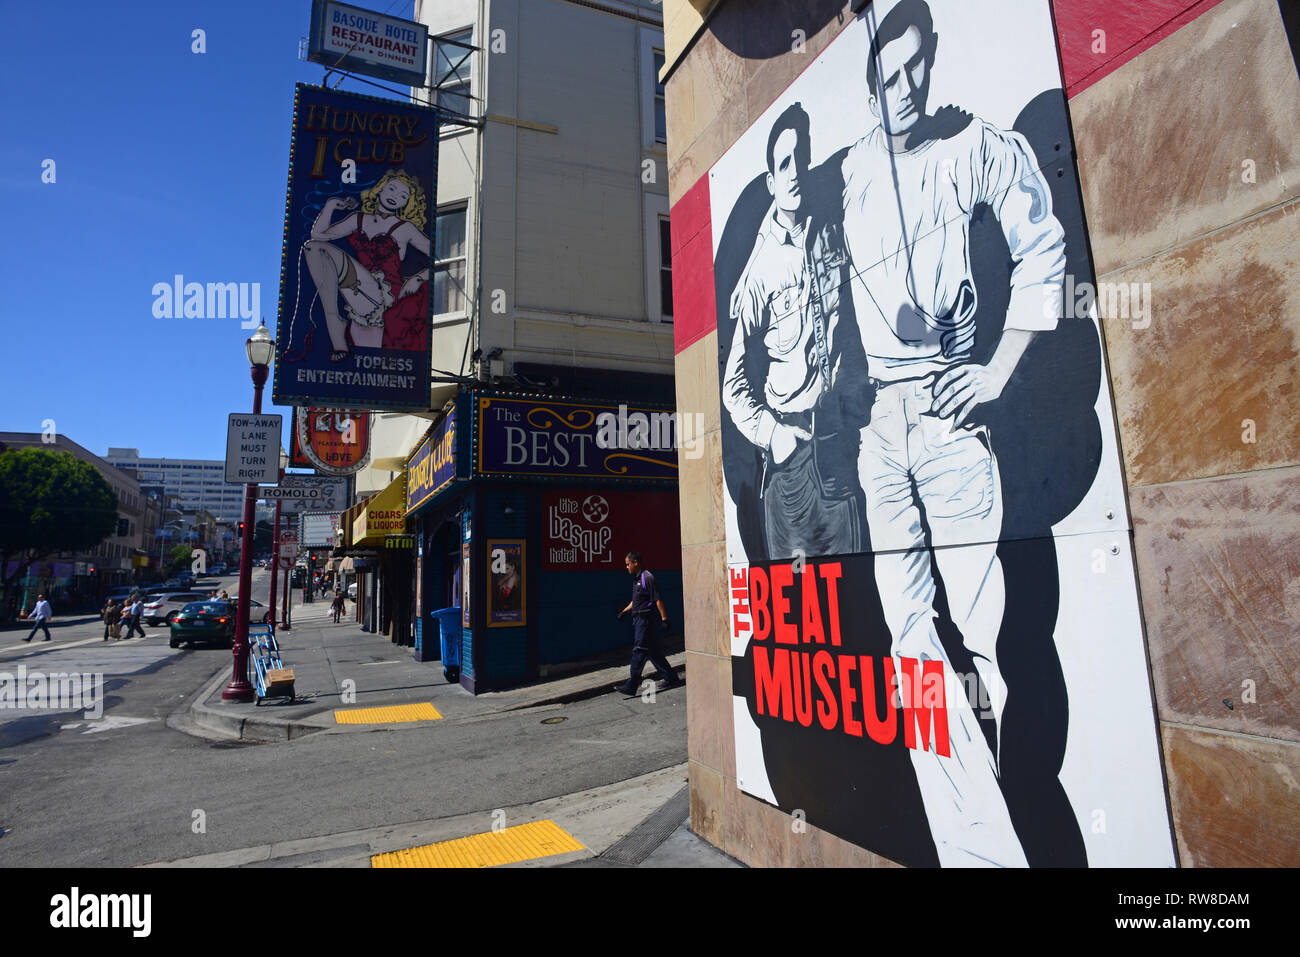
point(133, 624)
point(648, 613)
point(110, 615)
point(42, 614)
point(337, 605)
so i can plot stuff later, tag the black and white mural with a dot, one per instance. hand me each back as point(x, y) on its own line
point(937, 647)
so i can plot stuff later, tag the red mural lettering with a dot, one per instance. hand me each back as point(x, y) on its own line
point(812, 612)
point(881, 730)
point(831, 572)
point(802, 680)
point(919, 714)
point(823, 670)
point(782, 578)
point(772, 682)
point(848, 695)
point(758, 590)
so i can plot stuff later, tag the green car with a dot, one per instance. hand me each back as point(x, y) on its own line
point(206, 621)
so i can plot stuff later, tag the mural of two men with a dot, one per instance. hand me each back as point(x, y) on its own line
point(875, 332)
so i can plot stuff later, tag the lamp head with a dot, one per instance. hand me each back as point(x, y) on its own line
point(261, 347)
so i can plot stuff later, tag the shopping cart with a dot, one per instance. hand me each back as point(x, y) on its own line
point(266, 672)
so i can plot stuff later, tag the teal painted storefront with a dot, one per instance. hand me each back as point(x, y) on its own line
point(569, 615)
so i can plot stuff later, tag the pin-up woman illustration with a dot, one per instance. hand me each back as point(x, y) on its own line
point(382, 309)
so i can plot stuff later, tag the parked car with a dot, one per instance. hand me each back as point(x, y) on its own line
point(165, 606)
point(256, 610)
point(352, 592)
point(205, 621)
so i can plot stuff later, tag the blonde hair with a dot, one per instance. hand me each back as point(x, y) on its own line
point(414, 212)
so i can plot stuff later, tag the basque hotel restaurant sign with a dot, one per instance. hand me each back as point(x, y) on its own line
point(349, 38)
point(432, 466)
point(355, 297)
point(546, 438)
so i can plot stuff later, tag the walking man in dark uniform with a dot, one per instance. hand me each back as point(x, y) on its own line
point(648, 612)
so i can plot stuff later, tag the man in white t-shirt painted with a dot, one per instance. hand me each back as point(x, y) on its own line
point(910, 188)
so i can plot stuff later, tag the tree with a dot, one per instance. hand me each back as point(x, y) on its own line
point(50, 502)
point(180, 560)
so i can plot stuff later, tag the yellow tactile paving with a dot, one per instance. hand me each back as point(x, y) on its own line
point(523, 842)
point(390, 715)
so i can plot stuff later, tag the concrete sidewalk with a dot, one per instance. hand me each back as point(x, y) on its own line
point(341, 667)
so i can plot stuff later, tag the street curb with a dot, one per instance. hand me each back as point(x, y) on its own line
point(241, 727)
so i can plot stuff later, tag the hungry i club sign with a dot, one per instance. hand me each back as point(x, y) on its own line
point(355, 274)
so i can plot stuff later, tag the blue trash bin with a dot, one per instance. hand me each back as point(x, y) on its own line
point(449, 635)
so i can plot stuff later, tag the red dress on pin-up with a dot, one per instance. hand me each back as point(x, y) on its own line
point(406, 321)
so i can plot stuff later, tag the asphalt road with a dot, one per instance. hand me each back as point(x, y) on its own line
point(127, 789)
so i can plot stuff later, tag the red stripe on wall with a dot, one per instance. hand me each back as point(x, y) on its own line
point(695, 314)
point(1129, 29)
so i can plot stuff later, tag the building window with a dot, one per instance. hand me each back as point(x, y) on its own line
point(650, 61)
point(665, 268)
point(453, 72)
point(656, 246)
point(661, 115)
point(449, 261)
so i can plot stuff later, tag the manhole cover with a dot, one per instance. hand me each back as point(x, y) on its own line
point(555, 720)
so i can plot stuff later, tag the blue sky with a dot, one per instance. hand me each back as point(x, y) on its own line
point(166, 162)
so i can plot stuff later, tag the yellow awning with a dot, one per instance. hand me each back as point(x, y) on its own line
point(384, 514)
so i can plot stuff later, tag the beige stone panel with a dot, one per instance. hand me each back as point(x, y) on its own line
point(679, 111)
point(726, 718)
point(706, 802)
point(697, 382)
point(754, 833)
point(719, 75)
point(1222, 347)
point(682, 20)
point(1219, 566)
point(714, 139)
point(1162, 140)
point(717, 488)
point(704, 710)
point(1235, 799)
point(694, 501)
point(699, 598)
point(722, 607)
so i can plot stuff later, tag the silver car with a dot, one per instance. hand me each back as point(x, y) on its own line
point(161, 609)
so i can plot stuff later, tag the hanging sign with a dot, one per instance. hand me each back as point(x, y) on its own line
point(356, 294)
point(334, 441)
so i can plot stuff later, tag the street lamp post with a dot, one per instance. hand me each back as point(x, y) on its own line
point(275, 537)
point(260, 349)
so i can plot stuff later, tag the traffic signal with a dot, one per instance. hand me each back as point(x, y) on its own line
point(241, 529)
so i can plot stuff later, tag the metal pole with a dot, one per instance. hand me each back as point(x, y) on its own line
point(239, 689)
point(275, 554)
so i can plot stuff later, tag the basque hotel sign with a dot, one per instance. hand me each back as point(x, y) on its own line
point(432, 466)
point(355, 297)
point(548, 438)
point(363, 41)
